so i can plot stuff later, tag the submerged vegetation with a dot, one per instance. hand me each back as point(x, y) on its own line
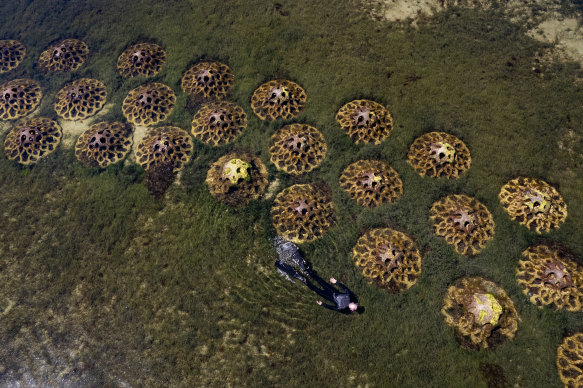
point(102, 283)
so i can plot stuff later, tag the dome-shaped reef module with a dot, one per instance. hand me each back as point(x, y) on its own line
point(148, 104)
point(388, 258)
point(104, 143)
point(481, 313)
point(62, 56)
point(371, 182)
point(141, 59)
point(237, 178)
point(218, 123)
point(365, 121)
point(18, 98)
point(464, 222)
point(303, 213)
point(12, 52)
point(32, 139)
point(165, 145)
point(208, 81)
point(570, 361)
point(534, 203)
point(278, 99)
point(439, 154)
point(297, 148)
point(80, 99)
point(550, 277)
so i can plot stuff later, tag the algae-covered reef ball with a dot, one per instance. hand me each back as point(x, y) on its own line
point(533, 203)
point(550, 277)
point(80, 99)
point(365, 121)
point(62, 56)
point(303, 212)
point(141, 59)
point(480, 312)
point(570, 361)
point(278, 99)
point(388, 258)
point(32, 139)
point(297, 148)
point(439, 154)
point(218, 123)
point(18, 98)
point(104, 143)
point(12, 52)
point(165, 146)
point(464, 222)
point(237, 178)
point(208, 81)
point(148, 104)
point(371, 183)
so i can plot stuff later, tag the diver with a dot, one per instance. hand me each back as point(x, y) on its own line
point(291, 265)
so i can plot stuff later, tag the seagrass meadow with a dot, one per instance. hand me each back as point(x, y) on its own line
point(102, 284)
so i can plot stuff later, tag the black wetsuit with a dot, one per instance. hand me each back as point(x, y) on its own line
point(341, 299)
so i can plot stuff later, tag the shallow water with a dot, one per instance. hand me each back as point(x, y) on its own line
point(102, 284)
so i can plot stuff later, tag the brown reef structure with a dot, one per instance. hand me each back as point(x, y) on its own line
point(80, 99)
point(570, 361)
point(297, 148)
point(218, 123)
point(62, 56)
point(303, 212)
point(388, 258)
point(550, 277)
point(103, 144)
point(371, 183)
point(148, 104)
point(208, 81)
point(12, 52)
point(18, 98)
point(278, 99)
point(141, 59)
point(481, 313)
point(365, 121)
point(32, 139)
point(237, 178)
point(464, 222)
point(165, 145)
point(533, 203)
point(439, 154)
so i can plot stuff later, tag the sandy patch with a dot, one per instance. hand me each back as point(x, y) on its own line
point(139, 133)
point(565, 33)
point(73, 129)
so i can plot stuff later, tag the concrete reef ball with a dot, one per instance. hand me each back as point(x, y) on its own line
point(165, 145)
point(388, 258)
point(297, 148)
point(65, 55)
point(365, 121)
point(549, 277)
point(32, 139)
point(278, 99)
point(80, 99)
point(481, 313)
point(439, 154)
point(218, 123)
point(141, 59)
point(104, 143)
point(371, 183)
point(570, 361)
point(208, 81)
point(12, 52)
point(533, 203)
point(148, 104)
point(464, 222)
point(237, 178)
point(18, 98)
point(302, 213)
